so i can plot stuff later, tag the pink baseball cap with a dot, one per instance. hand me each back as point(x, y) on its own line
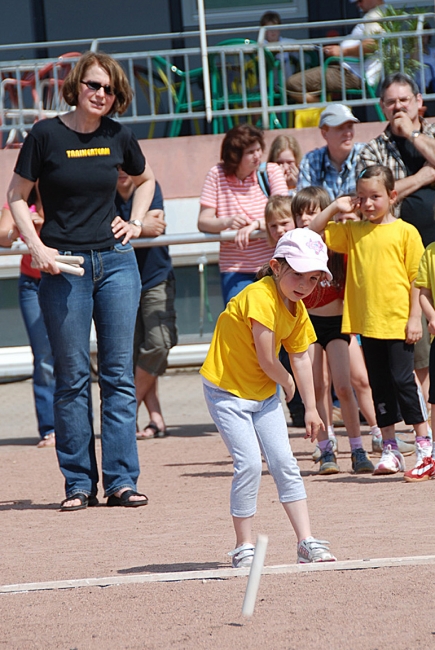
point(304, 250)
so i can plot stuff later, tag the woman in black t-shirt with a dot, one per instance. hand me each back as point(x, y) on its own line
point(76, 158)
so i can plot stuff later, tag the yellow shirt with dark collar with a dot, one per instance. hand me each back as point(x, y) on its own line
point(232, 362)
point(383, 261)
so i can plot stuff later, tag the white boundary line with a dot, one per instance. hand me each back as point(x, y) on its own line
point(219, 574)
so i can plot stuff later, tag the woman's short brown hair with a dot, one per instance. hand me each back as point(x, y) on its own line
point(118, 79)
point(284, 143)
point(234, 144)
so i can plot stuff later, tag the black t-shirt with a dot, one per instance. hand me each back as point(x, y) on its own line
point(77, 175)
point(154, 263)
point(417, 208)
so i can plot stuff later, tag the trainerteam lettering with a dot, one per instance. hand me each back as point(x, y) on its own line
point(87, 153)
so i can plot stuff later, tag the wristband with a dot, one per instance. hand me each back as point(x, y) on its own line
point(10, 233)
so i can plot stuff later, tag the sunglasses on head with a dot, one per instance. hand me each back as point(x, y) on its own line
point(95, 85)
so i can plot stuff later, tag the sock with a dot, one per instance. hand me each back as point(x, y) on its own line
point(392, 442)
point(331, 432)
point(355, 443)
point(324, 445)
point(423, 441)
point(375, 431)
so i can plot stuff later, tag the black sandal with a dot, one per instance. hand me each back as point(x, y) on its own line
point(158, 433)
point(124, 499)
point(84, 499)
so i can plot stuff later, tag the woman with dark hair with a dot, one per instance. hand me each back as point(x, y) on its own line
point(76, 157)
point(232, 199)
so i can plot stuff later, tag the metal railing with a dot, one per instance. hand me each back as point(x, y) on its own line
point(17, 361)
point(248, 78)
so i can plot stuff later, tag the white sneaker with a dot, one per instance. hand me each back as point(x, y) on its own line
point(391, 462)
point(405, 447)
point(422, 452)
point(242, 555)
point(314, 550)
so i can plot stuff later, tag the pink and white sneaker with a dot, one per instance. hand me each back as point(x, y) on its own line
point(391, 462)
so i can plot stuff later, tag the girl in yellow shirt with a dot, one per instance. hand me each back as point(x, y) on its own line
point(240, 375)
point(381, 304)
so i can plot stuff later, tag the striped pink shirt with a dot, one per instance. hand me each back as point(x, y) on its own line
point(229, 196)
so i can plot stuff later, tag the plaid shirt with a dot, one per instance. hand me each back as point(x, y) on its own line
point(383, 151)
point(317, 169)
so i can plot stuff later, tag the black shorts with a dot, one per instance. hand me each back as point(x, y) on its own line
point(328, 328)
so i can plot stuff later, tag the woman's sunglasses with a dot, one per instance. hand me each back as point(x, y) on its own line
point(95, 85)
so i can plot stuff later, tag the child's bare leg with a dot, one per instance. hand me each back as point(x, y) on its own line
point(360, 382)
point(321, 387)
point(421, 429)
point(243, 529)
point(389, 432)
point(338, 359)
point(297, 512)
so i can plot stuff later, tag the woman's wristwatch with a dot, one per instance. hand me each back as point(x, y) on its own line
point(136, 222)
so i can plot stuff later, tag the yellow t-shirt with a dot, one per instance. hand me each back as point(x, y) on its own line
point(232, 362)
point(426, 270)
point(382, 263)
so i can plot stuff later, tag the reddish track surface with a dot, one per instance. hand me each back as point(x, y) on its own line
point(186, 526)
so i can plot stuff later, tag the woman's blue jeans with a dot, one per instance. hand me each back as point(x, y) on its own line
point(43, 377)
point(232, 282)
point(109, 293)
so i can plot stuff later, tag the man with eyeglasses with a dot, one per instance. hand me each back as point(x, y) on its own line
point(306, 86)
point(407, 147)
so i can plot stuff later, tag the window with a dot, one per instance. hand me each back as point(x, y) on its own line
point(239, 11)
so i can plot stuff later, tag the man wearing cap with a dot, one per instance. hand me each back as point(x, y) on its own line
point(333, 166)
point(359, 37)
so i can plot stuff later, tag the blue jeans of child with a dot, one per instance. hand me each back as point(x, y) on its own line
point(43, 377)
point(109, 293)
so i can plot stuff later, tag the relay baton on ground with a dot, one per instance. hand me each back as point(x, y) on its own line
point(255, 575)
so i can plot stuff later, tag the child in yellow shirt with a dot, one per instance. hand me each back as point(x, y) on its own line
point(240, 377)
point(381, 304)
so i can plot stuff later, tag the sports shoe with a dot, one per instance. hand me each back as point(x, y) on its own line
point(328, 462)
point(391, 462)
point(314, 550)
point(422, 472)
point(242, 556)
point(361, 463)
point(405, 447)
point(318, 452)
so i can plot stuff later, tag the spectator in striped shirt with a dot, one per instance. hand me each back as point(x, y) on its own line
point(232, 199)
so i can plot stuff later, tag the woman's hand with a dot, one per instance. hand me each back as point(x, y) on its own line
point(242, 236)
point(291, 173)
point(44, 259)
point(237, 222)
point(125, 229)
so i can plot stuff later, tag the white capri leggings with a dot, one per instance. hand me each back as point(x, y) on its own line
point(250, 428)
